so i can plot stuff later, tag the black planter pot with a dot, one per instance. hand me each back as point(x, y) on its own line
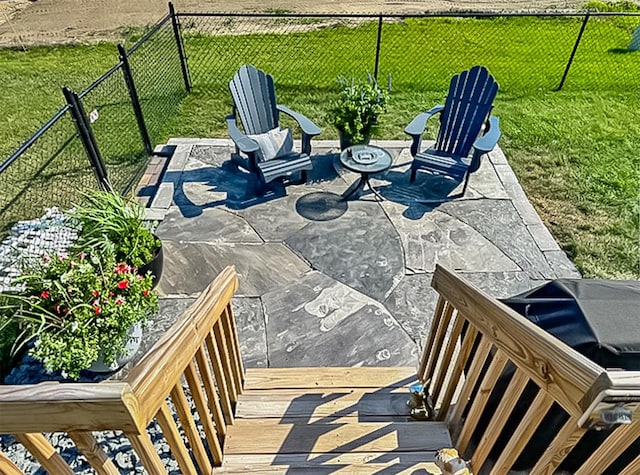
point(346, 140)
point(154, 266)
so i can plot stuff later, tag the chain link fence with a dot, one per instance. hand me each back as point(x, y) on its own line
point(47, 172)
point(130, 106)
point(114, 126)
point(420, 53)
point(155, 66)
point(125, 112)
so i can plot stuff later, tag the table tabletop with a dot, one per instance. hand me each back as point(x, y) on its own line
point(365, 159)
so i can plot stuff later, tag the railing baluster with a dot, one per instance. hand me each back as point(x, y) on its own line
point(474, 373)
point(144, 448)
point(205, 418)
point(7, 467)
point(175, 441)
point(525, 430)
point(454, 378)
point(221, 341)
point(447, 356)
point(493, 373)
point(88, 445)
point(234, 346)
point(189, 426)
point(44, 453)
point(438, 341)
point(610, 449)
point(633, 468)
point(499, 418)
point(209, 387)
point(216, 363)
point(559, 448)
point(429, 345)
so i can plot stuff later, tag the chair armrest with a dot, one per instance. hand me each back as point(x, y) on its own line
point(488, 141)
point(244, 143)
point(308, 127)
point(417, 125)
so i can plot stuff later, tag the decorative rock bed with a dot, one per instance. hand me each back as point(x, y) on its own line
point(51, 234)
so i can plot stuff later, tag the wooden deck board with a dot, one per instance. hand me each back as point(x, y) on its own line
point(359, 463)
point(264, 436)
point(329, 377)
point(318, 403)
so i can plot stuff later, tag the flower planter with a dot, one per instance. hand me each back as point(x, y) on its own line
point(346, 140)
point(154, 266)
point(132, 346)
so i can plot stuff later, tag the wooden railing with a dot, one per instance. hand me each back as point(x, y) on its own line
point(201, 348)
point(481, 340)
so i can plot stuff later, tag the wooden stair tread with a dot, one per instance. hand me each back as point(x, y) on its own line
point(329, 377)
point(408, 463)
point(314, 404)
point(266, 436)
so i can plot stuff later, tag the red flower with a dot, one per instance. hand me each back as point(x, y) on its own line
point(119, 301)
point(45, 294)
point(95, 293)
point(97, 310)
point(111, 294)
point(122, 268)
point(145, 292)
point(123, 284)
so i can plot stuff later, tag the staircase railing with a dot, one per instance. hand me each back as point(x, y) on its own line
point(201, 349)
point(477, 344)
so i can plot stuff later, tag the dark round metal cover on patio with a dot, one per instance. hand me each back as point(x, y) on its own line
point(321, 206)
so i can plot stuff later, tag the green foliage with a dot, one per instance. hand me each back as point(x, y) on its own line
point(109, 219)
point(9, 341)
point(574, 151)
point(357, 110)
point(621, 6)
point(78, 308)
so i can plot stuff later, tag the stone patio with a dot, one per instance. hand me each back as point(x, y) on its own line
point(330, 283)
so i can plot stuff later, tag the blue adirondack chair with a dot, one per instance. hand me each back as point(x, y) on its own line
point(465, 124)
point(254, 99)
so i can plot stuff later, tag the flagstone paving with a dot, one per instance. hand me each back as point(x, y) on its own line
point(325, 282)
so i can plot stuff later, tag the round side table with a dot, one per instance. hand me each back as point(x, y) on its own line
point(366, 160)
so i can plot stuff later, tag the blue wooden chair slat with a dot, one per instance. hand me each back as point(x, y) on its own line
point(254, 99)
point(466, 110)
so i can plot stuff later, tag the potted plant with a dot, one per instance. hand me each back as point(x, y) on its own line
point(357, 110)
point(78, 309)
point(107, 218)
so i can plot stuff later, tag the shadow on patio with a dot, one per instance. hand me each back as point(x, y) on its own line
point(351, 277)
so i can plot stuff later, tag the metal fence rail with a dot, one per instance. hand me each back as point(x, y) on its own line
point(300, 49)
point(121, 116)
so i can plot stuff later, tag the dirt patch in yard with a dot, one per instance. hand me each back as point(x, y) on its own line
point(32, 22)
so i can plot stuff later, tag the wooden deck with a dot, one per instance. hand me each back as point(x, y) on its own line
point(329, 420)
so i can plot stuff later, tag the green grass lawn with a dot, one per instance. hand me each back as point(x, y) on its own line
point(575, 151)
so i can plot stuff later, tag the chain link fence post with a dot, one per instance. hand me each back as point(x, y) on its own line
point(573, 52)
point(180, 46)
point(86, 137)
point(378, 42)
point(135, 101)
